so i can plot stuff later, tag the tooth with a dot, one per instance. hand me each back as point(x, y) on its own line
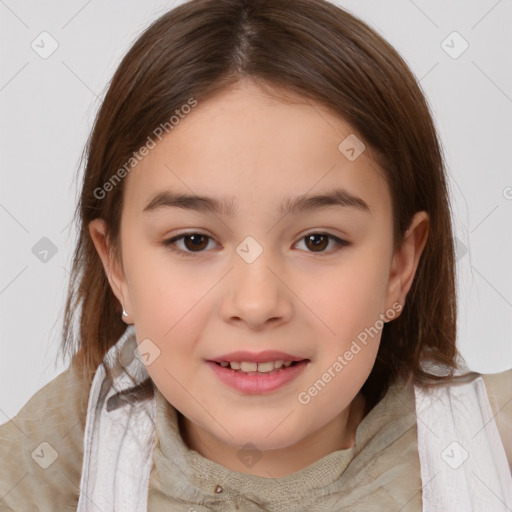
point(246, 366)
point(266, 367)
point(251, 367)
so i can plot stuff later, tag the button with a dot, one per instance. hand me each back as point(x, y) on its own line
point(218, 489)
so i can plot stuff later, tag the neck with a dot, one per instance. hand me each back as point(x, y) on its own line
point(338, 434)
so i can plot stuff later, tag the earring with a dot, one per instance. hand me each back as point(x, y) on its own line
point(124, 312)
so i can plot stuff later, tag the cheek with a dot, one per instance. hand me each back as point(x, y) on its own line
point(350, 308)
point(163, 288)
point(172, 307)
point(350, 296)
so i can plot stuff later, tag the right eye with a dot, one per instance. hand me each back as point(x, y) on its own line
point(193, 243)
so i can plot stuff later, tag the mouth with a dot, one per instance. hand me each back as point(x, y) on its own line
point(252, 368)
point(253, 379)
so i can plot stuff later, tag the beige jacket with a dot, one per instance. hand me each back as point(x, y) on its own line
point(41, 451)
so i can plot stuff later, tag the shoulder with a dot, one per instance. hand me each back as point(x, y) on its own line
point(499, 391)
point(41, 448)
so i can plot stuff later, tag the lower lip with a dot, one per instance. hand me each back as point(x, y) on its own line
point(257, 384)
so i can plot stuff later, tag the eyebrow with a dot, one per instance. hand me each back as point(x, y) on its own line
point(299, 204)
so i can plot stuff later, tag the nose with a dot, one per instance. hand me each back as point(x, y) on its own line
point(257, 294)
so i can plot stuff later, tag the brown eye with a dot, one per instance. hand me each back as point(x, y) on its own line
point(195, 242)
point(188, 244)
point(317, 242)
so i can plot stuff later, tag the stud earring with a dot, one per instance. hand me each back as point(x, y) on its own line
point(124, 312)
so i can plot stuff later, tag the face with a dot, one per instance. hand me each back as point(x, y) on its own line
point(260, 275)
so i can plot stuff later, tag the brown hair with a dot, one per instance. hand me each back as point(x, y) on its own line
point(311, 48)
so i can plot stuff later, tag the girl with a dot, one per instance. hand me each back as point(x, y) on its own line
point(263, 287)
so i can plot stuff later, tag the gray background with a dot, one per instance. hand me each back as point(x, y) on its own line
point(47, 107)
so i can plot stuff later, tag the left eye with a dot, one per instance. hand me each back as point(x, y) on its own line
point(195, 243)
point(318, 241)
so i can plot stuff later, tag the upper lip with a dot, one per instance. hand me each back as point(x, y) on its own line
point(257, 357)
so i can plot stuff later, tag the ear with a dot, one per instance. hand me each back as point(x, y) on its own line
point(113, 269)
point(406, 258)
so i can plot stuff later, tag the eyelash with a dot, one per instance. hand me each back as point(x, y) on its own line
point(169, 243)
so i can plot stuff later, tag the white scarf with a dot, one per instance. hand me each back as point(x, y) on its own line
point(463, 463)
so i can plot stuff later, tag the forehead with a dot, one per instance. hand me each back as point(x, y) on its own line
point(255, 149)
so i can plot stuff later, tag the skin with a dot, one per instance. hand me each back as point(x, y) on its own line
point(247, 145)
